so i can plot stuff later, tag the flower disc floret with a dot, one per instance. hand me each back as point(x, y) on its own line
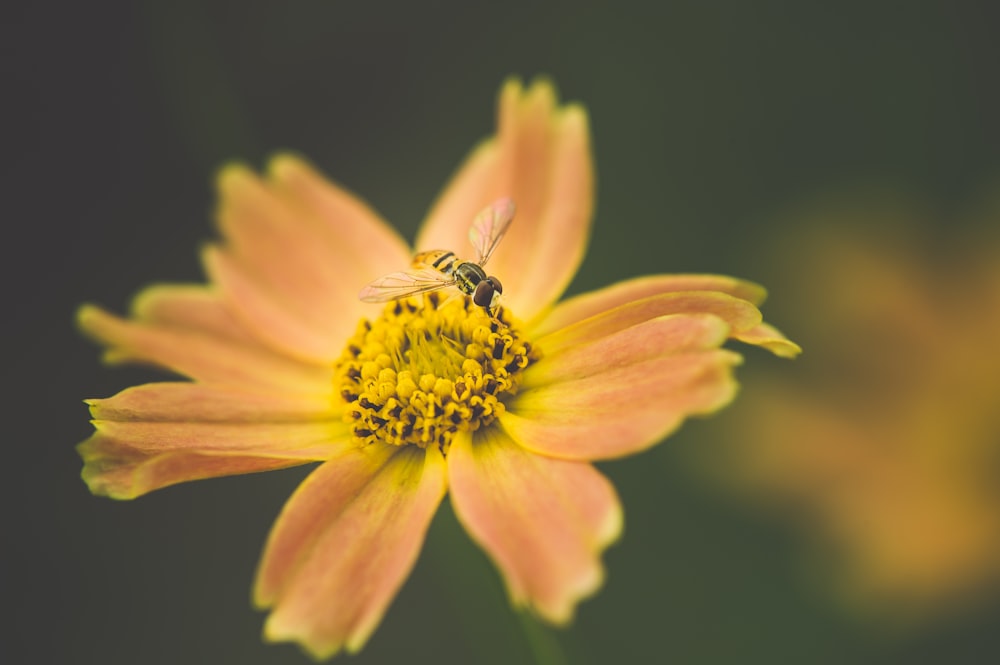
point(430, 367)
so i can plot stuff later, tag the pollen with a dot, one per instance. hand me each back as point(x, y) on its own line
point(430, 367)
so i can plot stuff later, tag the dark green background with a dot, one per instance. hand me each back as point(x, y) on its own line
point(710, 120)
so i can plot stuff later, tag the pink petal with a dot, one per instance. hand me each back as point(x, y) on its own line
point(348, 225)
point(590, 304)
point(301, 441)
point(662, 336)
point(543, 521)
point(541, 158)
point(191, 306)
point(619, 410)
point(345, 543)
point(120, 471)
point(770, 338)
point(161, 434)
point(201, 354)
point(738, 314)
point(265, 313)
point(203, 403)
point(297, 251)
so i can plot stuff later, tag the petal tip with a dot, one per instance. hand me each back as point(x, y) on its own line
point(317, 648)
point(756, 293)
point(286, 165)
point(232, 176)
point(260, 599)
point(575, 118)
point(211, 256)
point(512, 87)
point(770, 338)
point(540, 96)
point(611, 531)
point(86, 314)
point(97, 482)
point(94, 321)
point(542, 91)
point(561, 612)
point(783, 348)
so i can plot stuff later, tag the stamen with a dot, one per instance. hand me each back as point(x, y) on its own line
point(428, 368)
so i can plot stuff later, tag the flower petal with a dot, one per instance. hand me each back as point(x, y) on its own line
point(590, 304)
point(738, 314)
point(345, 543)
point(161, 434)
point(302, 441)
point(264, 312)
point(348, 226)
point(770, 338)
point(119, 471)
point(191, 306)
point(541, 158)
point(199, 402)
point(543, 521)
point(201, 354)
point(297, 251)
point(623, 409)
point(665, 335)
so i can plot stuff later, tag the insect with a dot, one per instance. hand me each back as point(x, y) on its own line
point(440, 268)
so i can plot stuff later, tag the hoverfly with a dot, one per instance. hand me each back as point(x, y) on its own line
point(440, 268)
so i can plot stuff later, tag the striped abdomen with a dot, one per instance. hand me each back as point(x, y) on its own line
point(442, 260)
point(470, 278)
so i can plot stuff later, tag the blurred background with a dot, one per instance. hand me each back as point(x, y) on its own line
point(846, 155)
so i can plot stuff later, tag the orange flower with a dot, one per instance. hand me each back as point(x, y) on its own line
point(404, 402)
point(887, 450)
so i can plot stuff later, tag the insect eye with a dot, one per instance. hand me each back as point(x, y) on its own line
point(497, 286)
point(484, 293)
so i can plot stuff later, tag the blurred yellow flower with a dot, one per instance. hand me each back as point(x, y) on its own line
point(406, 401)
point(886, 447)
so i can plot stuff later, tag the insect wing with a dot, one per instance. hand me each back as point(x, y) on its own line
point(405, 283)
point(489, 226)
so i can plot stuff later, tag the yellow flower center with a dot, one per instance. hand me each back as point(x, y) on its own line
point(428, 368)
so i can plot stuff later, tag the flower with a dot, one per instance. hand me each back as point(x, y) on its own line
point(886, 452)
point(402, 403)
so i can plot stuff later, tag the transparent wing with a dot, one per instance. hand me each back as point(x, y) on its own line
point(489, 226)
point(405, 283)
